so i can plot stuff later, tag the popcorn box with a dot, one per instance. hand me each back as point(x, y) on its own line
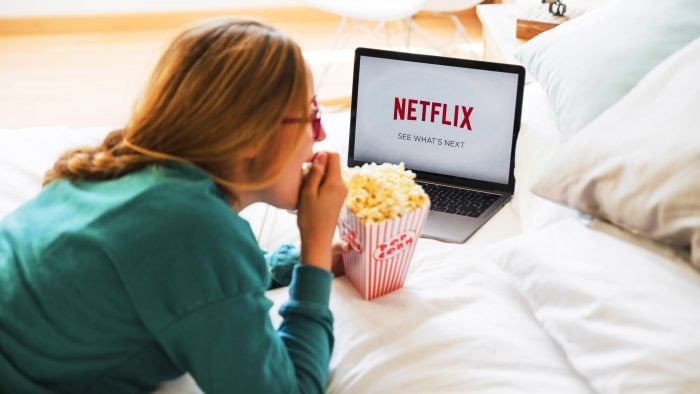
point(380, 253)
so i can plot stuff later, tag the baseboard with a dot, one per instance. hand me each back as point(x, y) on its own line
point(154, 21)
point(335, 104)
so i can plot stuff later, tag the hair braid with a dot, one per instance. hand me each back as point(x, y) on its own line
point(109, 160)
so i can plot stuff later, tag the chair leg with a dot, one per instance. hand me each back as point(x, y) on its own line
point(446, 47)
point(418, 31)
point(409, 30)
point(336, 42)
point(338, 31)
point(461, 30)
point(373, 33)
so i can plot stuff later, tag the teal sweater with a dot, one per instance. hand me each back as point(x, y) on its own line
point(115, 286)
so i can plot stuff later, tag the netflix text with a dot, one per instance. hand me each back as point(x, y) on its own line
point(433, 112)
point(430, 140)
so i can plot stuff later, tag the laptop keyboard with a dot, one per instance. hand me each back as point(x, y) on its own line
point(458, 201)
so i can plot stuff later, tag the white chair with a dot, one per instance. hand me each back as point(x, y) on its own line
point(447, 8)
point(371, 16)
point(357, 13)
point(378, 12)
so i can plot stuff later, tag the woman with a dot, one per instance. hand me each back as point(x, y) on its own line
point(132, 265)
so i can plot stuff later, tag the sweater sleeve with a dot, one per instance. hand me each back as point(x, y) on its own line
point(307, 326)
point(281, 263)
point(231, 345)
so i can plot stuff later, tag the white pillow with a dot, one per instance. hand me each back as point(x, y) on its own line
point(624, 310)
point(590, 62)
point(538, 140)
point(638, 164)
point(26, 154)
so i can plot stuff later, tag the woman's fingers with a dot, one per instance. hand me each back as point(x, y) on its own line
point(332, 166)
point(316, 174)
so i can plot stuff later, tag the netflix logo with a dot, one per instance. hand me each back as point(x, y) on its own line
point(433, 112)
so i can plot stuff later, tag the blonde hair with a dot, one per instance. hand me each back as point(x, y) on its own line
point(220, 90)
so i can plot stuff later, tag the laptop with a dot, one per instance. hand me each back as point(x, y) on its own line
point(453, 122)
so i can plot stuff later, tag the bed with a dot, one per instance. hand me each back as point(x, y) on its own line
point(587, 281)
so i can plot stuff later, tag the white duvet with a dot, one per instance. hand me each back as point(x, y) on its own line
point(624, 310)
point(457, 326)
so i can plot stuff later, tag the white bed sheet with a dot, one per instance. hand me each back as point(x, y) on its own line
point(458, 325)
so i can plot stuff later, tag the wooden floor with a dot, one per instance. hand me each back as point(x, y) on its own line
point(92, 78)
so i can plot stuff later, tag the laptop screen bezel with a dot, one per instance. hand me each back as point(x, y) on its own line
point(446, 61)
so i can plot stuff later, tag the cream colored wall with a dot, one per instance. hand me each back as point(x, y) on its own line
point(12, 8)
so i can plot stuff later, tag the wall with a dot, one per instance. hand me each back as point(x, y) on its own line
point(33, 8)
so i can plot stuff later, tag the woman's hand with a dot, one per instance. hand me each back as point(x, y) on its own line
point(337, 267)
point(320, 199)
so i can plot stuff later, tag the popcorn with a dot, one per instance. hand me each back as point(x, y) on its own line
point(381, 221)
point(382, 192)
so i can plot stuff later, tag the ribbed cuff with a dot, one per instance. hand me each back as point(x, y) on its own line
point(310, 284)
point(282, 263)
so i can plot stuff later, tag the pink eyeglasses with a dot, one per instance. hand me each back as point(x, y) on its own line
point(315, 120)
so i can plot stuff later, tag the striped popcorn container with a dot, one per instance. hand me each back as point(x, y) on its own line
point(380, 253)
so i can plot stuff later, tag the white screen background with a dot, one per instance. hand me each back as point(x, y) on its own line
point(484, 152)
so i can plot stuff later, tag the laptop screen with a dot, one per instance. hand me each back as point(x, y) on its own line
point(451, 118)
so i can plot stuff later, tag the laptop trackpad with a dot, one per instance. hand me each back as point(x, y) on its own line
point(450, 227)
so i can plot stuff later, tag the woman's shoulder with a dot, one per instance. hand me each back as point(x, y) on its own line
point(175, 194)
point(179, 200)
point(138, 205)
point(162, 215)
point(179, 237)
point(173, 183)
